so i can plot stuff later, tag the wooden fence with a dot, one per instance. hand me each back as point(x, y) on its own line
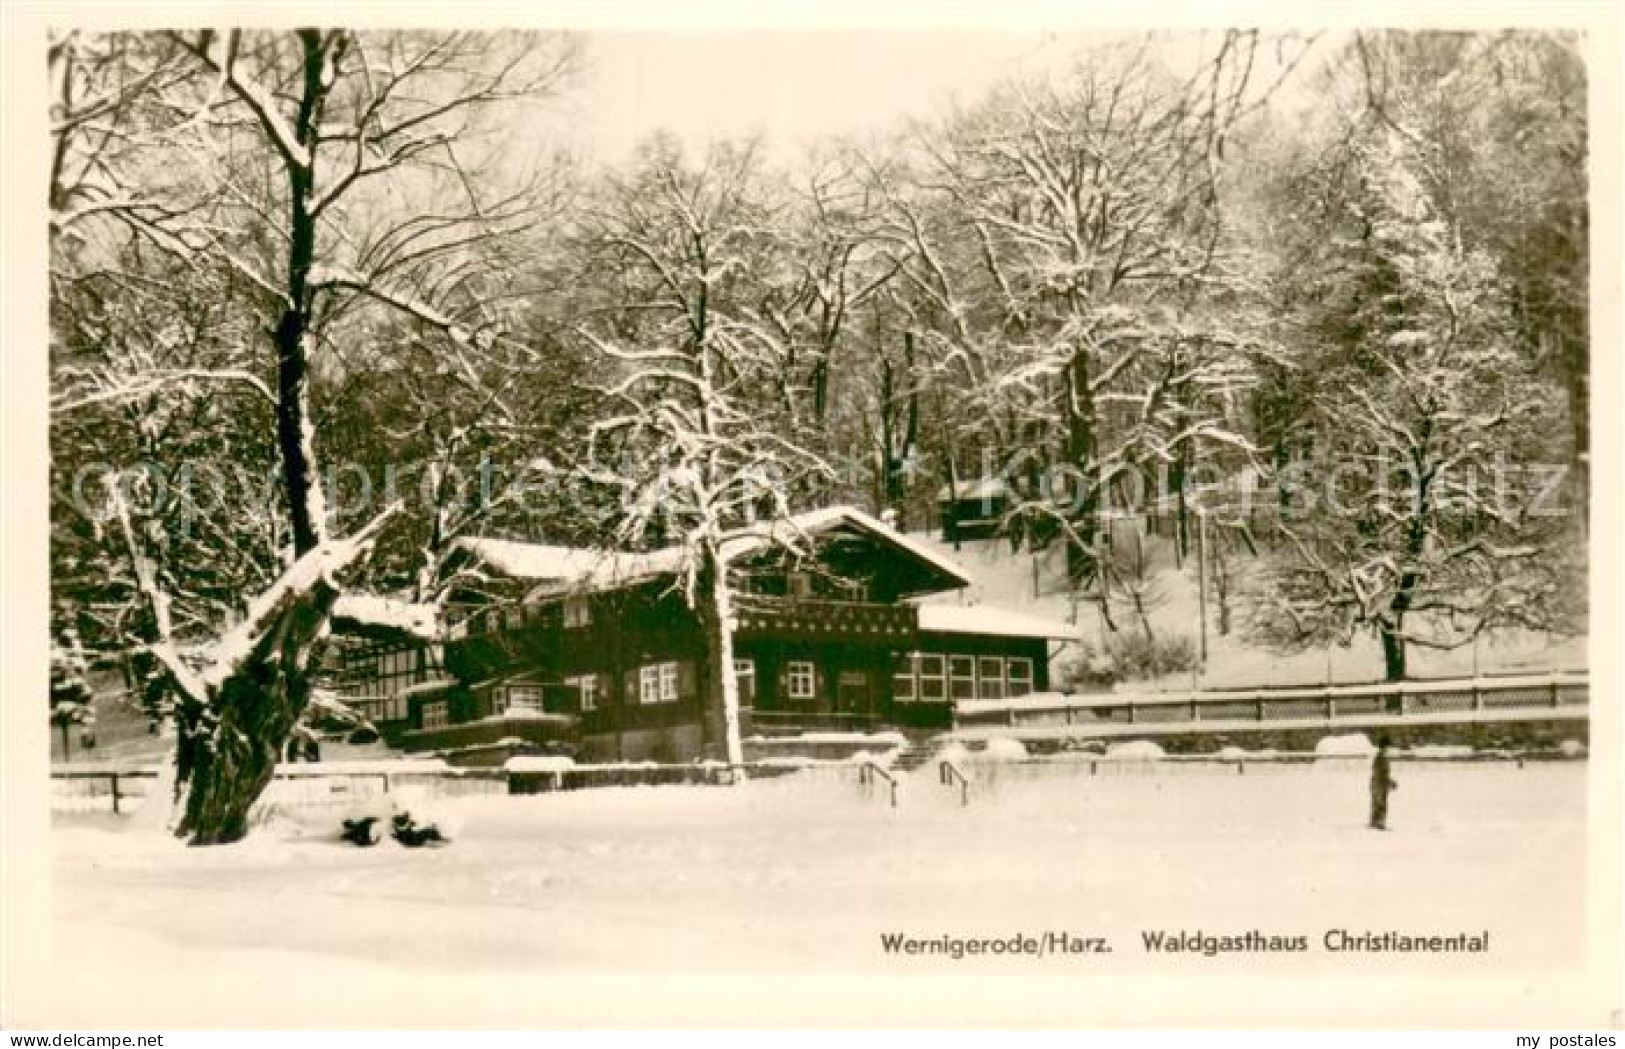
point(1464, 700)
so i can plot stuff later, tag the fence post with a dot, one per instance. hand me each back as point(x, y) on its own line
point(1131, 717)
point(1553, 686)
point(113, 776)
point(1260, 703)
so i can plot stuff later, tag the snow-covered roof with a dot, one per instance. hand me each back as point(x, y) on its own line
point(981, 488)
point(759, 537)
point(997, 622)
point(569, 564)
point(422, 621)
point(584, 568)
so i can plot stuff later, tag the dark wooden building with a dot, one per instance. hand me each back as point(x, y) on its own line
point(841, 623)
point(973, 509)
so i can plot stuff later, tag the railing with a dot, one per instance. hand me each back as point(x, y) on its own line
point(112, 776)
point(802, 721)
point(948, 774)
point(868, 772)
point(816, 618)
point(1471, 699)
point(334, 782)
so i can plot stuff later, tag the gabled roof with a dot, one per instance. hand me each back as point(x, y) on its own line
point(571, 566)
point(561, 568)
point(756, 538)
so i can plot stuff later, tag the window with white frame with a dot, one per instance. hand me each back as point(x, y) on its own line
point(990, 677)
point(932, 689)
point(800, 679)
point(902, 682)
point(586, 687)
point(577, 613)
point(962, 671)
point(524, 697)
point(436, 714)
point(657, 683)
point(513, 617)
point(1019, 670)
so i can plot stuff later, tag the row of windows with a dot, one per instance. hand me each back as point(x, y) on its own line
point(931, 678)
point(576, 612)
point(919, 677)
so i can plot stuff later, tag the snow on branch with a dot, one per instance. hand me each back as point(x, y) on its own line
point(313, 575)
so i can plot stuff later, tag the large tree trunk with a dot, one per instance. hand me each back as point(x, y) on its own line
point(720, 720)
point(1393, 655)
point(230, 756)
point(1393, 637)
point(256, 709)
point(1080, 450)
point(246, 706)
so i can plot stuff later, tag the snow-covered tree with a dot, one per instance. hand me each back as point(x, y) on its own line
point(304, 165)
point(1083, 279)
point(1431, 517)
point(693, 432)
point(71, 697)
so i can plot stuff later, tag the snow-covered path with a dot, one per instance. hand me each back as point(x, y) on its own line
point(808, 876)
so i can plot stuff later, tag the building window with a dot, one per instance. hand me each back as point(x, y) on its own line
point(436, 715)
point(745, 680)
point(799, 678)
point(657, 683)
point(902, 682)
point(524, 697)
point(381, 675)
point(963, 671)
point(514, 617)
point(931, 681)
point(1020, 670)
point(990, 674)
point(586, 687)
point(577, 613)
point(799, 584)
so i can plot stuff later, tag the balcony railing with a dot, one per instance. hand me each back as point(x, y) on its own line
point(814, 619)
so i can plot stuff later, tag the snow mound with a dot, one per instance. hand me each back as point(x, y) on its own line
point(1136, 750)
point(1002, 750)
point(1571, 748)
point(1352, 745)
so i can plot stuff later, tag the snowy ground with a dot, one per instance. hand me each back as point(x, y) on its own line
point(805, 875)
